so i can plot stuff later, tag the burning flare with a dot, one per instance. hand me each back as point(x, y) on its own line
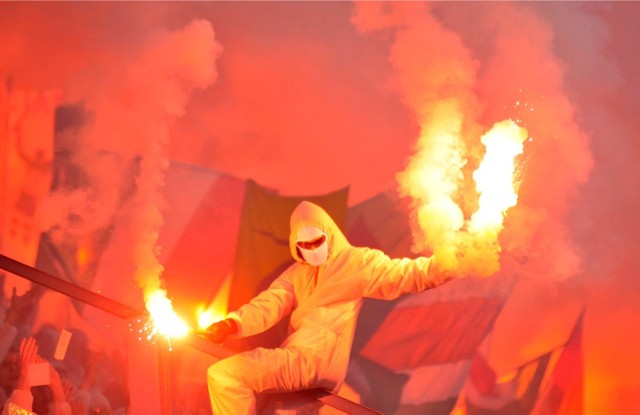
point(433, 180)
point(495, 176)
point(164, 321)
point(217, 310)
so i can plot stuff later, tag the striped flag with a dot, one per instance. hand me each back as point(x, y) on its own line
point(562, 392)
point(426, 341)
point(550, 384)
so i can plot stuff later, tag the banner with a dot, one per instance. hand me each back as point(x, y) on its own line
point(26, 170)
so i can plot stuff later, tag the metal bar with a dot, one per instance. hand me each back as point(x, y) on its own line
point(68, 289)
point(338, 402)
point(216, 350)
point(164, 381)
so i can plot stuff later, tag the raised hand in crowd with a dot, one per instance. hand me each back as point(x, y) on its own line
point(28, 356)
point(75, 403)
point(22, 305)
point(21, 399)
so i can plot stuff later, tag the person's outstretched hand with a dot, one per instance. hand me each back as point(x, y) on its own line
point(218, 332)
point(28, 356)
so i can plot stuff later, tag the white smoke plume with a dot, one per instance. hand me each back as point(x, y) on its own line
point(124, 143)
point(456, 96)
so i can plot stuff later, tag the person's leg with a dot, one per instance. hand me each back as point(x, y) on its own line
point(227, 392)
point(234, 381)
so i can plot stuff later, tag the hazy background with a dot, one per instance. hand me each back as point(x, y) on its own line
point(309, 97)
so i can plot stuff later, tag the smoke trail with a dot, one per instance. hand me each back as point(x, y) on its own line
point(122, 149)
point(439, 97)
point(456, 98)
point(158, 88)
point(436, 78)
point(522, 76)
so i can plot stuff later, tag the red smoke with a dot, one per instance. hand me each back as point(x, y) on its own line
point(305, 104)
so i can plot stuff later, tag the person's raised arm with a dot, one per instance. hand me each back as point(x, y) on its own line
point(21, 398)
point(386, 278)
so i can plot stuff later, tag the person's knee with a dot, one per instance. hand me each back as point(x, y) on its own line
point(216, 372)
point(222, 374)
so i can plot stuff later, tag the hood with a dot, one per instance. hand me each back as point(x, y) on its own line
point(310, 214)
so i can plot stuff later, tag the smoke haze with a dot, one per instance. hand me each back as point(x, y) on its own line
point(308, 97)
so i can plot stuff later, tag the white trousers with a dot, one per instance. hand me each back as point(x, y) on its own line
point(234, 382)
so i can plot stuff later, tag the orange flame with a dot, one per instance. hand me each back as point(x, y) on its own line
point(217, 310)
point(208, 316)
point(84, 254)
point(433, 180)
point(495, 176)
point(165, 321)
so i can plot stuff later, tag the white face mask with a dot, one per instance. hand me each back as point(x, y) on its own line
point(316, 257)
point(318, 254)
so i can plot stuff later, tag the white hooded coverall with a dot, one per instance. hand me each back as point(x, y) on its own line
point(324, 302)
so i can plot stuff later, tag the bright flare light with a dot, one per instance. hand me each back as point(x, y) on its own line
point(217, 310)
point(208, 317)
point(462, 242)
point(165, 321)
point(495, 176)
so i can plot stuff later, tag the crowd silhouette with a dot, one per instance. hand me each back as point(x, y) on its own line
point(83, 382)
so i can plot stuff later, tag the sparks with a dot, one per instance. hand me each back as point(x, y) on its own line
point(433, 180)
point(164, 321)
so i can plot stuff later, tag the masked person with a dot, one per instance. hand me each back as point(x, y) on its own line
point(323, 292)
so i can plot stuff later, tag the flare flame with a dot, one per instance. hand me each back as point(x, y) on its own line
point(164, 320)
point(434, 180)
point(217, 310)
point(495, 176)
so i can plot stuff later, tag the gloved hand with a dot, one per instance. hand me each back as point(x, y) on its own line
point(218, 332)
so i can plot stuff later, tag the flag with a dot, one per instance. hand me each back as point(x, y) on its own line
point(486, 394)
point(549, 384)
point(76, 259)
point(200, 234)
point(562, 393)
point(380, 222)
point(368, 379)
point(538, 316)
point(26, 171)
point(428, 340)
point(197, 242)
point(432, 338)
